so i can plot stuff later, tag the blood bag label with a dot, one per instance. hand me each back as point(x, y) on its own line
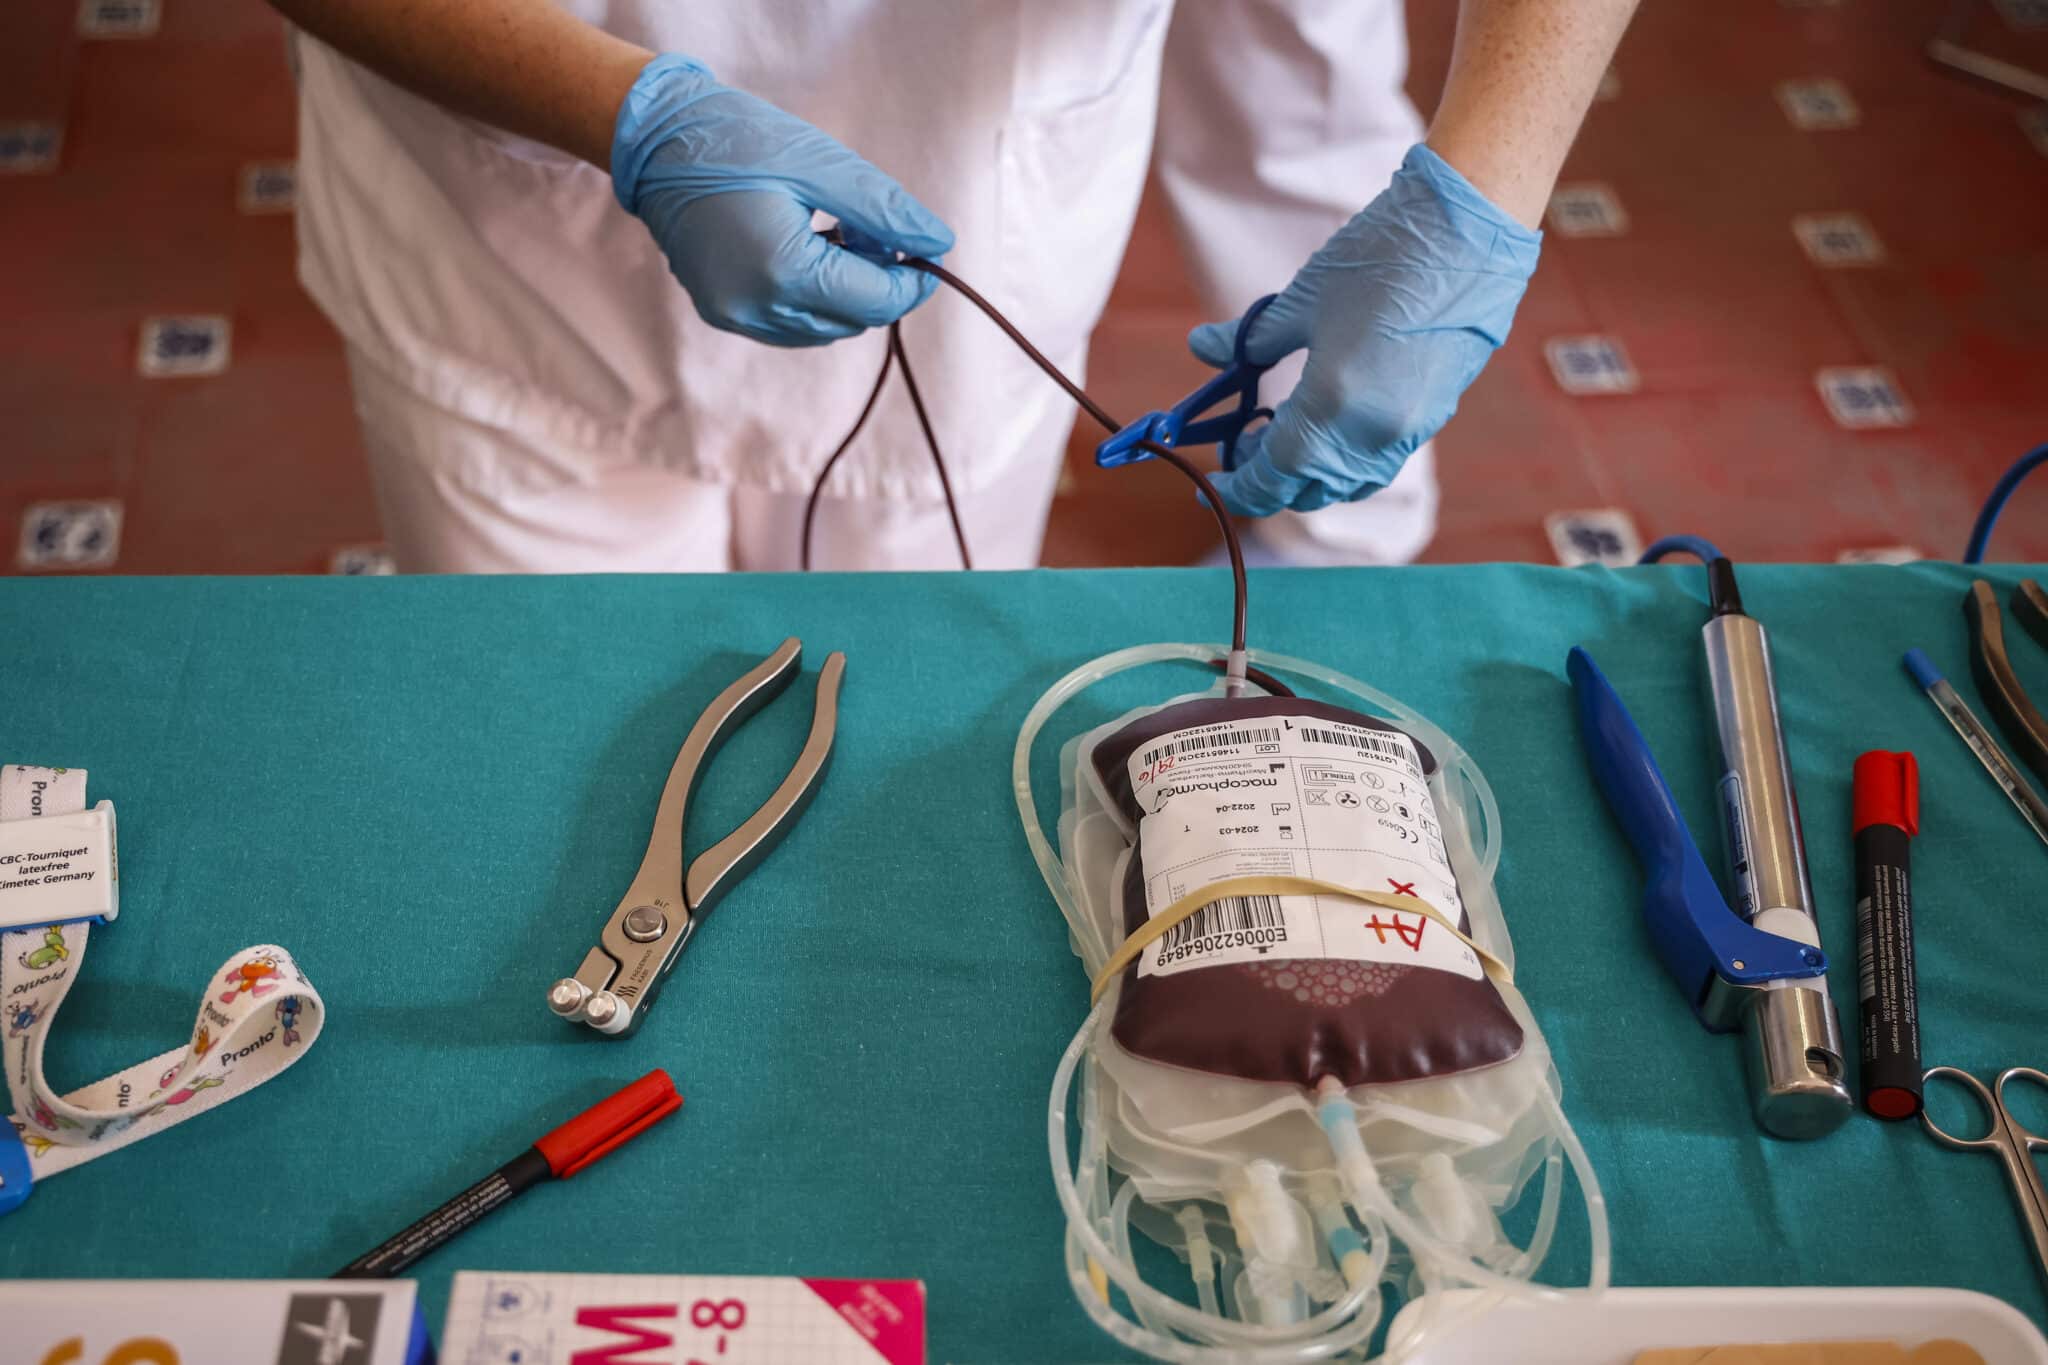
point(1294, 796)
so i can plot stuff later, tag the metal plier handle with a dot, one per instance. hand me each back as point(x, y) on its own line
point(644, 937)
point(1183, 424)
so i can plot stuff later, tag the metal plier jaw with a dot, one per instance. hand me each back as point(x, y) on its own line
point(1718, 959)
point(1183, 424)
point(646, 934)
point(2023, 722)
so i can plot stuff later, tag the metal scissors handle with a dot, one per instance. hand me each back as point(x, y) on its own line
point(2010, 1140)
point(645, 936)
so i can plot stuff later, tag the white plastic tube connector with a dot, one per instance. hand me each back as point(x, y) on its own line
point(1274, 1234)
point(1234, 665)
point(1339, 1120)
point(1201, 1252)
point(1207, 1338)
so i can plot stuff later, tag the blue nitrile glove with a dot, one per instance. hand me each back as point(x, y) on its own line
point(1399, 311)
point(727, 184)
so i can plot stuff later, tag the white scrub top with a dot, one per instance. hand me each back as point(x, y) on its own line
point(499, 278)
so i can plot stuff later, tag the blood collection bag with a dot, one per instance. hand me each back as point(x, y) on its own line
point(1308, 1071)
point(1280, 987)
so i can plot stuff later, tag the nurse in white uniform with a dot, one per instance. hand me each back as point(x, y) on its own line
point(570, 248)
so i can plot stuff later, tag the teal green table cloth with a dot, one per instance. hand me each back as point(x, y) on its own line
point(433, 791)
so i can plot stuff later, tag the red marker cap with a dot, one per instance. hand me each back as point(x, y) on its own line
point(1887, 792)
point(610, 1123)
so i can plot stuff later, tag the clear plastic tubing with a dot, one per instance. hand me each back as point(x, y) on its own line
point(1339, 1119)
point(1350, 1322)
point(1337, 1329)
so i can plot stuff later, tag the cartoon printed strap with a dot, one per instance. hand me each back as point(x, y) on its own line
point(259, 1016)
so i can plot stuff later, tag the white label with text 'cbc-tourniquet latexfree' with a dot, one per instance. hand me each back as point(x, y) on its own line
point(258, 1016)
point(1302, 796)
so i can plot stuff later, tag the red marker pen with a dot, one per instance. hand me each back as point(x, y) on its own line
point(592, 1134)
point(1887, 815)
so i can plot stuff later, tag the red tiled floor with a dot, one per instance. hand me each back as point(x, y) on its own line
point(1725, 319)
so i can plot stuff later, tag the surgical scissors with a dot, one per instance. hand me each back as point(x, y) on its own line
point(2010, 1141)
point(1183, 423)
point(646, 934)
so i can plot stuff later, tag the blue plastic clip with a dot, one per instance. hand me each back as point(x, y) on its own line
point(1183, 423)
point(1696, 936)
point(16, 1179)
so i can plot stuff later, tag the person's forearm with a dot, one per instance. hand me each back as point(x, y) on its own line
point(1522, 75)
point(522, 65)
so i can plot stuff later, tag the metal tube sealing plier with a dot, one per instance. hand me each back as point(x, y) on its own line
point(645, 935)
point(1997, 679)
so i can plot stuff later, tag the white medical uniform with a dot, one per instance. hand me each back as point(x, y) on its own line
point(537, 393)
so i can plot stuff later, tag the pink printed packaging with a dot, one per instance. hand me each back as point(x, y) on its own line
point(508, 1317)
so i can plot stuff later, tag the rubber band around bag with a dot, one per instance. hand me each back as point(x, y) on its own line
point(1156, 927)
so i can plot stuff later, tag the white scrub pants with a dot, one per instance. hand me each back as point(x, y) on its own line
point(458, 496)
point(1278, 120)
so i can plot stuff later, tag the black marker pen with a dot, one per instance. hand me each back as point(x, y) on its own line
point(1887, 816)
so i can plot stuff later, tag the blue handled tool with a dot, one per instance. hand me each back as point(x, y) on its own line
point(1755, 965)
point(1698, 938)
point(1183, 423)
point(16, 1179)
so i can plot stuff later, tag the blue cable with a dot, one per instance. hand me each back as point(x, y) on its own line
point(1980, 534)
point(1693, 545)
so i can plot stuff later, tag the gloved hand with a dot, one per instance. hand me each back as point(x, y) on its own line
point(727, 184)
point(1399, 311)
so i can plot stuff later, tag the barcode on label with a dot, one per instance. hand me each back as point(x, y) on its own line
point(1217, 739)
point(1866, 955)
point(1229, 915)
point(1378, 744)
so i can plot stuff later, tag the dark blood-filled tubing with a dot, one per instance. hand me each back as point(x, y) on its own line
point(592, 1134)
point(1887, 816)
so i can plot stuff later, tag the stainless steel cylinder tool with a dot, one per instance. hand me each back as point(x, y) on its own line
point(1797, 1076)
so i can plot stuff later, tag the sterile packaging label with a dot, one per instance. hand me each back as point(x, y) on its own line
point(517, 1318)
point(249, 1322)
point(1293, 796)
point(58, 868)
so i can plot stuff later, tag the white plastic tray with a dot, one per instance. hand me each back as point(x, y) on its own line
point(1611, 1329)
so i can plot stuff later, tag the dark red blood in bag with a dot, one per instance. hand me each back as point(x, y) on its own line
point(1366, 1023)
